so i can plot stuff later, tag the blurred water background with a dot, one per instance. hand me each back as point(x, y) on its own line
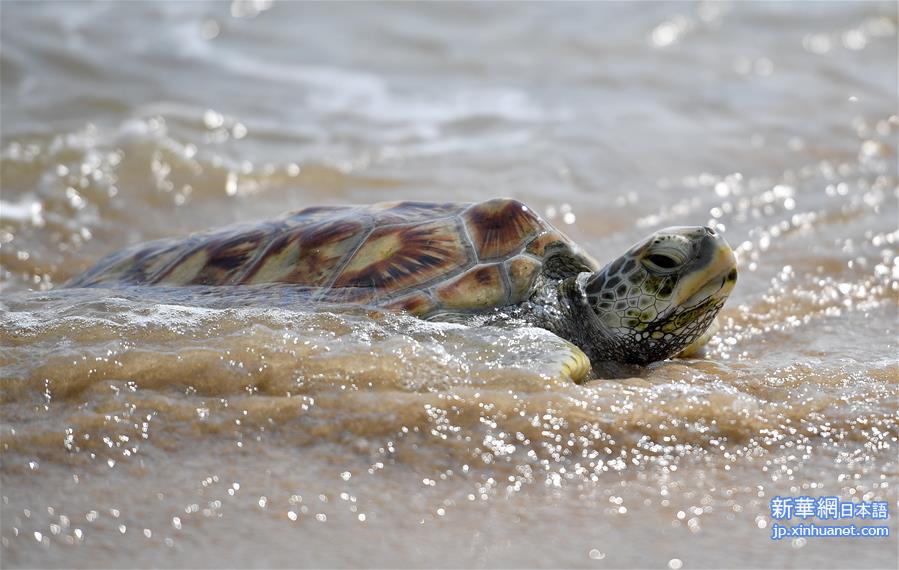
point(140, 429)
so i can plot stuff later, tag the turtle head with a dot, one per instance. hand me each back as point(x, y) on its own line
point(660, 296)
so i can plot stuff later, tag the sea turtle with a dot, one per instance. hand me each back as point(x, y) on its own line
point(443, 260)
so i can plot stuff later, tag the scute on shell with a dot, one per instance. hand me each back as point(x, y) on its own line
point(522, 270)
point(418, 303)
point(135, 264)
point(307, 255)
point(481, 287)
point(396, 258)
point(219, 263)
point(501, 227)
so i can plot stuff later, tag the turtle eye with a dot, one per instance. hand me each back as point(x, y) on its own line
point(663, 261)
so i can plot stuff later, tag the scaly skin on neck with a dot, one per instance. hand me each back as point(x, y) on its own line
point(561, 307)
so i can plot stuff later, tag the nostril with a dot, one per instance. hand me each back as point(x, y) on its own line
point(710, 231)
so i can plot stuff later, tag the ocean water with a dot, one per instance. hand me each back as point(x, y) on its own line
point(147, 428)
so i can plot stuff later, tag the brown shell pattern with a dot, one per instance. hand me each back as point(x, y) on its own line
point(419, 257)
point(397, 258)
point(500, 227)
point(478, 288)
point(307, 255)
point(135, 264)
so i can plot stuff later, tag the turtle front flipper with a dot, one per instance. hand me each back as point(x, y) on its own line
point(575, 363)
point(557, 357)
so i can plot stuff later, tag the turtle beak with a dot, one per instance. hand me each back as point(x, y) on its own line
point(714, 272)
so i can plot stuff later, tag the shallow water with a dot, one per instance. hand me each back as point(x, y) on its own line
point(166, 429)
